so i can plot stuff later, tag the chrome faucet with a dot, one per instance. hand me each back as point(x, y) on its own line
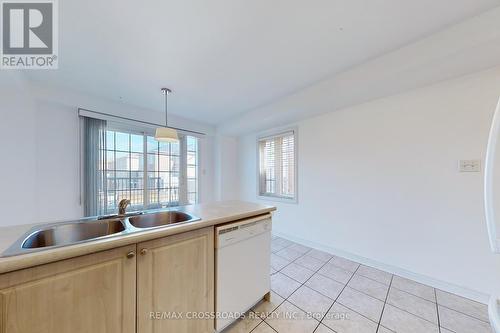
point(122, 206)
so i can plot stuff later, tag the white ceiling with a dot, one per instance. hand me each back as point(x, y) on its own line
point(470, 46)
point(225, 57)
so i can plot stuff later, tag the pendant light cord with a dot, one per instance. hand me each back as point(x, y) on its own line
point(166, 125)
point(166, 108)
point(166, 91)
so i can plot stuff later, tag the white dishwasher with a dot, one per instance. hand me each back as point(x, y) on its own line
point(242, 260)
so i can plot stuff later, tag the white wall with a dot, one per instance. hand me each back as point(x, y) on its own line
point(57, 168)
point(380, 181)
point(17, 151)
point(226, 166)
point(39, 142)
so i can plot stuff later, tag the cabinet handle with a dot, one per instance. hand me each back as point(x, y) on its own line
point(144, 251)
point(131, 254)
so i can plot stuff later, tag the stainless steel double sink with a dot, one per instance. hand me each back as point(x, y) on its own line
point(68, 233)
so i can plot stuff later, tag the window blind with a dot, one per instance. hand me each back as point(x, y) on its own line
point(277, 165)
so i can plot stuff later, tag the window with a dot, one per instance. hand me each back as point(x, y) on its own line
point(151, 174)
point(192, 170)
point(163, 173)
point(277, 166)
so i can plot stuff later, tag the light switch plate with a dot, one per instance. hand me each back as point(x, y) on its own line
point(469, 166)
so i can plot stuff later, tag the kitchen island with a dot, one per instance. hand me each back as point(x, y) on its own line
point(127, 283)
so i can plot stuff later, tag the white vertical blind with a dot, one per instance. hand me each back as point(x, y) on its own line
point(277, 165)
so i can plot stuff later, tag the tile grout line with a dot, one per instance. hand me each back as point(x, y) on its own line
point(437, 307)
point(294, 261)
point(390, 284)
point(392, 275)
point(314, 272)
point(302, 284)
point(345, 285)
point(353, 274)
point(437, 310)
point(287, 259)
point(284, 299)
point(408, 312)
point(385, 302)
point(369, 278)
point(403, 310)
point(340, 293)
point(262, 322)
point(284, 247)
point(317, 272)
point(410, 293)
point(414, 315)
point(465, 298)
point(324, 275)
point(360, 291)
point(355, 311)
point(397, 307)
point(463, 313)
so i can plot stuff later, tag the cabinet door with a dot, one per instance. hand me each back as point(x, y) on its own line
point(176, 282)
point(92, 293)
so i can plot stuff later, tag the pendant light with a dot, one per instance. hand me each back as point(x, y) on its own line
point(166, 134)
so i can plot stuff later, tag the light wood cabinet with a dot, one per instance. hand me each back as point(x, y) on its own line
point(92, 293)
point(175, 277)
point(116, 291)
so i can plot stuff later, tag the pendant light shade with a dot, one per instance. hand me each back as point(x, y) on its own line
point(166, 134)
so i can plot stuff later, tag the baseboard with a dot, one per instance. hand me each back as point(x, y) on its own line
point(436, 283)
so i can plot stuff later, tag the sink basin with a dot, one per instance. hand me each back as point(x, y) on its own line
point(71, 233)
point(161, 219)
point(47, 236)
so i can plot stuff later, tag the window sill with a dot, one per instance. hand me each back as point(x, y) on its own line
point(278, 199)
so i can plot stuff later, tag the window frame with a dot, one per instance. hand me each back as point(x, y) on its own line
point(197, 170)
point(145, 132)
point(269, 135)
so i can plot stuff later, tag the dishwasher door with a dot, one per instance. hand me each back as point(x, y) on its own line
point(242, 258)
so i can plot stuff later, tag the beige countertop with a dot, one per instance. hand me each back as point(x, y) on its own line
point(211, 214)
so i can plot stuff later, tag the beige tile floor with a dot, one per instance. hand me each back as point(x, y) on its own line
point(313, 291)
